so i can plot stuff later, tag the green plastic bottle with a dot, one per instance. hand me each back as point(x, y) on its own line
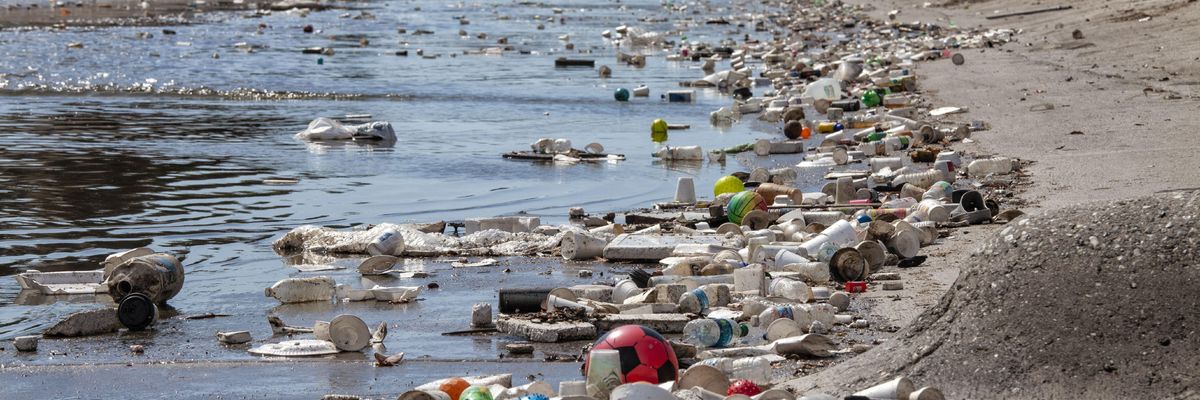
point(871, 99)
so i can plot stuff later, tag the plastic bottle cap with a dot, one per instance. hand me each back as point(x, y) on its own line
point(137, 312)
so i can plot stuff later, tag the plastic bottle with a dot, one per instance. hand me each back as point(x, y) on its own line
point(897, 142)
point(158, 276)
point(300, 290)
point(680, 153)
point(714, 332)
point(984, 167)
point(789, 289)
point(755, 369)
point(699, 297)
point(923, 179)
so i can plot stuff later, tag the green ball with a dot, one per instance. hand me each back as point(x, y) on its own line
point(728, 184)
point(622, 94)
point(658, 127)
point(476, 393)
point(743, 203)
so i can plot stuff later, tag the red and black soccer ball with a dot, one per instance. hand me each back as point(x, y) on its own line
point(645, 355)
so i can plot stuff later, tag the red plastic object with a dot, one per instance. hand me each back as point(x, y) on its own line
point(744, 387)
point(856, 287)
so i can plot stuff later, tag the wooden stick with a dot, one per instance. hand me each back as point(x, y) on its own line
point(1038, 11)
point(827, 206)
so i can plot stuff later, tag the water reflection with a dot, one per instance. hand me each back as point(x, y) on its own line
point(31, 297)
point(85, 177)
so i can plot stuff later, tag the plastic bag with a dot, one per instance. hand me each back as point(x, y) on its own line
point(325, 129)
point(328, 129)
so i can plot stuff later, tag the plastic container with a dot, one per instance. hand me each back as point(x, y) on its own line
point(938, 191)
point(680, 153)
point(879, 163)
point(930, 210)
point(685, 190)
point(824, 89)
point(790, 289)
point(158, 276)
point(603, 372)
point(389, 242)
point(840, 234)
point(624, 290)
point(714, 332)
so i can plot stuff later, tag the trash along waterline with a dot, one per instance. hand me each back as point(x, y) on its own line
point(745, 278)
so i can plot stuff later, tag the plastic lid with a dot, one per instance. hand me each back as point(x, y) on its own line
point(137, 312)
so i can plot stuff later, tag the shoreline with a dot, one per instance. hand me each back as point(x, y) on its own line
point(1000, 86)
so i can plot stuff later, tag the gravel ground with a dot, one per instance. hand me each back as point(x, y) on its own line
point(1091, 301)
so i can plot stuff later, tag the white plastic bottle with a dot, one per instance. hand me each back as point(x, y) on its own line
point(984, 167)
point(755, 369)
point(790, 289)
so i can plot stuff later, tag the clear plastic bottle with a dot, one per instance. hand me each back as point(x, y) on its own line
point(714, 332)
point(789, 289)
point(826, 251)
point(699, 296)
point(755, 369)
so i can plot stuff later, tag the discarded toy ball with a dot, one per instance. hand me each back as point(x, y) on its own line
point(454, 387)
point(645, 355)
point(728, 184)
point(658, 127)
point(622, 94)
point(743, 203)
point(744, 387)
point(476, 393)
